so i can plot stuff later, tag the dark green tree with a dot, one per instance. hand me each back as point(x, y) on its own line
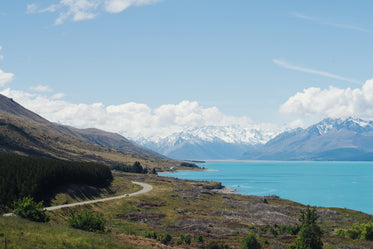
point(309, 236)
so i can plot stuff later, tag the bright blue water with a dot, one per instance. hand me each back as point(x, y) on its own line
point(328, 184)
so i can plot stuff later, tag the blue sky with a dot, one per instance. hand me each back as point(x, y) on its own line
point(263, 61)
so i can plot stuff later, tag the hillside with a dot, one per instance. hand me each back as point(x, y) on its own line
point(329, 140)
point(26, 133)
point(8, 107)
point(181, 209)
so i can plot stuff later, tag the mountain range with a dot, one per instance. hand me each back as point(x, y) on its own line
point(329, 140)
point(26, 133)
point(209, 142)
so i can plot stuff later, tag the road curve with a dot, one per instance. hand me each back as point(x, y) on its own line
point(146, 188)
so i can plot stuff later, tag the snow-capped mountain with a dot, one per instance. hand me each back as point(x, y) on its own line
point(330, 139)
point(210, 142)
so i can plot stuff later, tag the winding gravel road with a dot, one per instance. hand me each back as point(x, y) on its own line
point(146, 188)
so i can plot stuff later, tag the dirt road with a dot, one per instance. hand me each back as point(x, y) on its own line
point(146, 188)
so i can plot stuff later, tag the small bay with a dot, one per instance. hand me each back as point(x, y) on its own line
point(327, 184)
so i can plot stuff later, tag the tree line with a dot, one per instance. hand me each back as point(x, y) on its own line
point(135, 168)
point(22, 176)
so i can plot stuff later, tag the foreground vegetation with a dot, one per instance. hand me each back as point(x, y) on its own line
point(186, 214)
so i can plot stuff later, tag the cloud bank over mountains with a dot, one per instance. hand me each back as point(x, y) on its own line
point(332, 102)
point(130, 119)
point(138, 120)
point(79, 10)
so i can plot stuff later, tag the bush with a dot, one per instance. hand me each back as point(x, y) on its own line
point(185, 239)
point(165, 238)
point(199, 239)
point(93, 222)
point(250, 242)
point(293, 230)
point(357, 231)
point(151, 235)
point(216, 245)
point(29, 209)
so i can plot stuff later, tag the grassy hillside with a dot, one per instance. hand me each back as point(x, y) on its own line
point(9, 108)
point(182, 209)
point(29, 138)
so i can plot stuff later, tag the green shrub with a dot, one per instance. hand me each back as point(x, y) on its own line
point(165, 238)
point(250, 242)
point(216, 245)
point(293, 230)
point(29, 209)
point(199, 239)
point(185, 239)
point(151, 235)
point(357, 231)
point(88, 221)
point(340, 232)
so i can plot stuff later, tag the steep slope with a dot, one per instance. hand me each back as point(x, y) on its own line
point(331, 139)
point(211, 142)
point(93, 136)
point(26, 133)
point(27, 138)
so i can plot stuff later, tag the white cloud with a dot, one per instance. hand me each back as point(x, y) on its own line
point(129, 119)
point(42, 89)
point(34, 9)
point(312, 71)
point(333, 24)
point(58, 96)
point(116, 6)
point(78, 10)
point(5, 77)
point(1, 56)
point(332, 102)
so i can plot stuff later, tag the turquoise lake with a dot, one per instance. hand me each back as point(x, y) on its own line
point(327, 184)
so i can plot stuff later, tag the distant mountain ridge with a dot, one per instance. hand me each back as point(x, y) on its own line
point(209, 142)
point(348, 139)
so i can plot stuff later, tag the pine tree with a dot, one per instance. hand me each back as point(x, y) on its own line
point(310, 233)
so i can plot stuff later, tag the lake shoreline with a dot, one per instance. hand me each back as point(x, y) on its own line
point(327, 184)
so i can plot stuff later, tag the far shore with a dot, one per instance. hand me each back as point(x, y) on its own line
point(185, 170)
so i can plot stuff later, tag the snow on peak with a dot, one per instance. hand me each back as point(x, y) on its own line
point(349, 123)
point(228, 134)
